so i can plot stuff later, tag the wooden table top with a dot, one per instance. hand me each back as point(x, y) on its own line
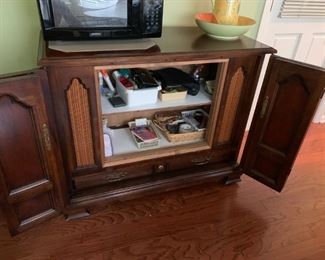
point(174, 41)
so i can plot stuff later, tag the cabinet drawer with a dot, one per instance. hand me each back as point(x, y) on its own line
point(199, 159)
point(173, 163)
point(113, 174)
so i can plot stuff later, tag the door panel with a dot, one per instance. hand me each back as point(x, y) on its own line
point(18, 129)
point(33, 207)
point(288, 43)
point(288, 100)
point(27, 161)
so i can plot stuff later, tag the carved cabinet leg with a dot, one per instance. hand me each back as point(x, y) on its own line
point(232, 179)
point(76, 214)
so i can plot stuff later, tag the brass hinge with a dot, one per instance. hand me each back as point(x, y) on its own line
point(46, 137)
point(264, 106)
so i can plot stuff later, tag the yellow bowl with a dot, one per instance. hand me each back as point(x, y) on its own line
point(206, 22)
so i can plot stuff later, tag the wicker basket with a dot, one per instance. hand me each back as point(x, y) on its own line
point(161, 119)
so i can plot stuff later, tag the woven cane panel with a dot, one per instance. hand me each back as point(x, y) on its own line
point(231, 107)
point(79, 113)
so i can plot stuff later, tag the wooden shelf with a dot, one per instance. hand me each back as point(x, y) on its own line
point(123, 143)
point(124, 148)
point(202, 98)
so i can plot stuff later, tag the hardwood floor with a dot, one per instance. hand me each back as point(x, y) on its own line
point(241, 221)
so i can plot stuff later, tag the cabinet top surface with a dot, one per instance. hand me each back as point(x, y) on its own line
point(186, 41)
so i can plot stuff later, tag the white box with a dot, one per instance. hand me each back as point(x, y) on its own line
point(137, 97)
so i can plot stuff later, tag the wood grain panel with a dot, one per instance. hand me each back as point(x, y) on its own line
point(176, 42)
point(280, 138)
point(32, 207)
point(232, 102)
point(289, 96)
point(79, 112)
point(18, 127)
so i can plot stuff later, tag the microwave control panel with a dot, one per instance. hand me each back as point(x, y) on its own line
point(152, 12)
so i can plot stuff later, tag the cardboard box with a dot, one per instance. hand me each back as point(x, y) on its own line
point(169, 96)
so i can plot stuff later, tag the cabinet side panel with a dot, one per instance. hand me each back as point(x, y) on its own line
point(240, 86)
point(79, 113)
point(74, 100)
point(234, 92)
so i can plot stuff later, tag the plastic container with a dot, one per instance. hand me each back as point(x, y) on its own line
point(137, 97)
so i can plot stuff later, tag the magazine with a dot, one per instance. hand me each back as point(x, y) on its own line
point(144, 133)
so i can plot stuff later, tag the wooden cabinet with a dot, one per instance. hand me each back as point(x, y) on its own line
point(69, 150)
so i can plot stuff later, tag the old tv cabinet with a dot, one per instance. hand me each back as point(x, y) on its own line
point(52, 151)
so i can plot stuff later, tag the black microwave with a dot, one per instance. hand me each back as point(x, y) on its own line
point(68, 20)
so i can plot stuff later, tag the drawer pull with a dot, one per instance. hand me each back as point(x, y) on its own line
point(200, 161)
point(116, 177)
point(160, 168)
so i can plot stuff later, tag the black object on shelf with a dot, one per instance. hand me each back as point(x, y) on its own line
point(117, 101)
point(175, 77)
point(144, 79)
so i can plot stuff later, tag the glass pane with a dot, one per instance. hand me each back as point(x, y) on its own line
point(90, 13)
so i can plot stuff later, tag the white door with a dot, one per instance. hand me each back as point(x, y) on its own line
point(301, 39)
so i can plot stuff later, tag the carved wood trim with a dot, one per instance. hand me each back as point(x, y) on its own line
point(79, 113)
point(15, 99)
point(235, 89)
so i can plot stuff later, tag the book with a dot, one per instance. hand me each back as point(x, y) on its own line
point(144, 133)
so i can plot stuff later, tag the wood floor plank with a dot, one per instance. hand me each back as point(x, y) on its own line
point(210, 221)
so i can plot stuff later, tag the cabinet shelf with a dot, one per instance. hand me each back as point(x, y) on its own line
point(124, 148)
point(122, 142)
point(201, 99)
